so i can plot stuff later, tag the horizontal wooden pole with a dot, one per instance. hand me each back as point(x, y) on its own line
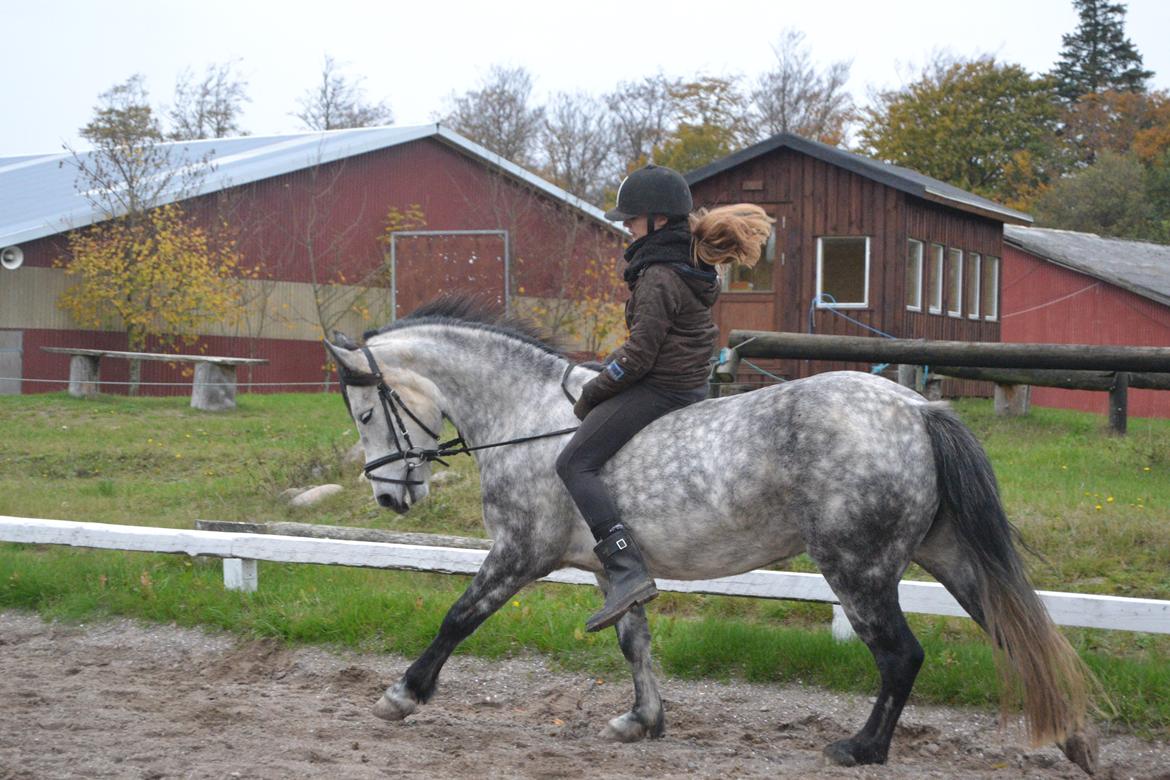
point(860, 349)
point(1048, 377)
point(99, 353)
point(344, 532)
point(1069, 609)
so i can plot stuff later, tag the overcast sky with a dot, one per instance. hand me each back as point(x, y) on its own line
point(60, 54)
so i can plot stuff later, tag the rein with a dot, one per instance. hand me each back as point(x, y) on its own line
point(417, 456)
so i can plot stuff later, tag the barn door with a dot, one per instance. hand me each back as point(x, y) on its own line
point(427, 264)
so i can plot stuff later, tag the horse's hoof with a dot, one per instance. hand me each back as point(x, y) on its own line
point(1081, 749)
point(625, 728)
point(395, 704)
point(848, 752)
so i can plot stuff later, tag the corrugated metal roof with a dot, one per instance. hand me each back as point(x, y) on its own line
point(899, 178)
point(1138, 266)
point(39, 197)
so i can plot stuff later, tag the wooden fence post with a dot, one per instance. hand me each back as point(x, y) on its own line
point(1012, 400)
point(240, 574)
point(1119, 403)
point(842, 630)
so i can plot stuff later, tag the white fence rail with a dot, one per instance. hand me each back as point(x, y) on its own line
point(242, 550)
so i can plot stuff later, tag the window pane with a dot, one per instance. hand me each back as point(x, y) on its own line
point(843, 270)
point(989, 288)
point(936, 278)
point(758, 278)
point(973, 271)
point(914, 275)
point(955, 282)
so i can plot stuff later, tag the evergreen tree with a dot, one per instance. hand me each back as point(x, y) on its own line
point(1098, 56)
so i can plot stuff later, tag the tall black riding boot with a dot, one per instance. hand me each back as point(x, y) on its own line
point(629, 583)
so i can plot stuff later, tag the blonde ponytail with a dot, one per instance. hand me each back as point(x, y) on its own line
point(728, 234)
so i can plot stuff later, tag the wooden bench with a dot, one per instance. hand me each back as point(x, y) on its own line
point(213, 389)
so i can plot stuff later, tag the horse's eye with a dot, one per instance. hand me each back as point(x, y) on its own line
point(365, 416)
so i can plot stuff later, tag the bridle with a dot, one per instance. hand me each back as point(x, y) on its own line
point(413, 456)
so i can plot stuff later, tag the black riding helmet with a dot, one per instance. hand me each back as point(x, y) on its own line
point(654, 189)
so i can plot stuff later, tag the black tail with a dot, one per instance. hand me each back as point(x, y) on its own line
point(1032, 654)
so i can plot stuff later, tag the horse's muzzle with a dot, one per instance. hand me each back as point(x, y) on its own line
point(391, 502)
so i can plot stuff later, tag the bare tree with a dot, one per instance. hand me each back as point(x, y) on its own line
point(337, 103)
point(208, 107)
point(645, 114)
point(129, 171)
point(797, 97)
point(577, 139)
point(499, 114)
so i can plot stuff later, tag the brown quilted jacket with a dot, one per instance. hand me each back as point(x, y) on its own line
point(672, 334)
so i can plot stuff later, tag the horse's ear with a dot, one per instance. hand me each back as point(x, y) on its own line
point(345, 356)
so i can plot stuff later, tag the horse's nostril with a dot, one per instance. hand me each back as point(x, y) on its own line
point(387, 501)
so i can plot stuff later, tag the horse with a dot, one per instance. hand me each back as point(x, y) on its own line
point(863, 474)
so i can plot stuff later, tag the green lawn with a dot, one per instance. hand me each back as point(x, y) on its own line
point(1095, 506)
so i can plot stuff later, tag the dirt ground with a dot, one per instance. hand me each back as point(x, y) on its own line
point(123, 699)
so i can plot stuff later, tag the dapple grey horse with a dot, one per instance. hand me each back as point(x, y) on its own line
point(864, 475)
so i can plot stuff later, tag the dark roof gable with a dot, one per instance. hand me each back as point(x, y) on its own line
point(1141, 267)
point(903, 179)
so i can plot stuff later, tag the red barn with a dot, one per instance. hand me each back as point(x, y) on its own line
point(314, 211)
point(1062, 287)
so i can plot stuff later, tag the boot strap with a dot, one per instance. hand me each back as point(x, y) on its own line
point(613, 544)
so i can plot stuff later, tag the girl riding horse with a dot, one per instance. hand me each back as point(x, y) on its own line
point(663, 365)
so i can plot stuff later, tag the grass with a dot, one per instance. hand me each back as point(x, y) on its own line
point(157, 462)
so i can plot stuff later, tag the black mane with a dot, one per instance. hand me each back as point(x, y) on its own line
point(478, 313)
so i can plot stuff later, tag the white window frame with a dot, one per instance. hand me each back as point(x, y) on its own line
point(820, 278)
point(955, 260)
point(993, 315)
point(911, 243)
point(975, 266)
point(937, 278)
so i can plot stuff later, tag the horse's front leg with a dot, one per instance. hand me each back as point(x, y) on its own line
point(646, 718)
point(504, 572)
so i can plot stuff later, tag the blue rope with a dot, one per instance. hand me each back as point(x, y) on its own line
point(762, 371)
point(826, 298)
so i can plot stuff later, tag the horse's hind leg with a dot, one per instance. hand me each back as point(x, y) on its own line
point(504, 572)
point(646, 718)
point(879, 622)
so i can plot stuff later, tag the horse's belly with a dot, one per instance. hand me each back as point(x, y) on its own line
point(692, 546)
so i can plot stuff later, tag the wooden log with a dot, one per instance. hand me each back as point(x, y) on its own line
point(859, 349)
point(315, 531)
point(1068, 380)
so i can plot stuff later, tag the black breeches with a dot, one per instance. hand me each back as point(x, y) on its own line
point(606, 430)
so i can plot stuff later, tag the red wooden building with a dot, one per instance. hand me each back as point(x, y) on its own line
point(859, 248)
point(1063, 287)
point(313, 211)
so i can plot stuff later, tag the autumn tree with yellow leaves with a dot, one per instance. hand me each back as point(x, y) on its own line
point(145, 265)
point(160, 277)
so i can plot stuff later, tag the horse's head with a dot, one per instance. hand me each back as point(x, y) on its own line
point(398, 415)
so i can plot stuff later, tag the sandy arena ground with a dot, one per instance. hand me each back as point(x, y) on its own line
point(129, 700)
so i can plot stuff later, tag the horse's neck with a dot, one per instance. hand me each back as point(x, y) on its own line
point(493, 387)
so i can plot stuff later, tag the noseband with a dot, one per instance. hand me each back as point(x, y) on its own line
point(414, 457)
